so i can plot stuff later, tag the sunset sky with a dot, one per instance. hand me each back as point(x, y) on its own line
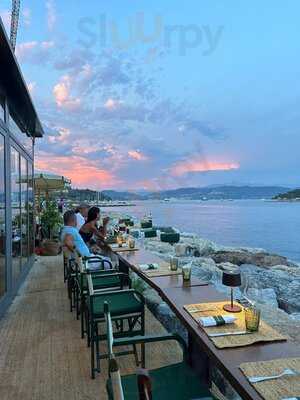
point(163, 94)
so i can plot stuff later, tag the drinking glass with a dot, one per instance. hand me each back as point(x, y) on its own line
point(174, 263)
point(131, 243)
point(186, 272)
point(120, 240)
point(252, 318)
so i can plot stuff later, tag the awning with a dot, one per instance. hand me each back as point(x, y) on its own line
point(48, 182)
point(12, 81)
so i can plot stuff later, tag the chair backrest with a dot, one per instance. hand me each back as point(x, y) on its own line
point(143, 377)
point(101, 263)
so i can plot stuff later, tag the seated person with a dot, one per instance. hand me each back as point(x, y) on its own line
point(90, 231)
point(72, 239)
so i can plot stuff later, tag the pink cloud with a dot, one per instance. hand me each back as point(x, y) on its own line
point(112, 104)
point(137, 155)
point(63, 98)
point(198, 165)
point(82, 172)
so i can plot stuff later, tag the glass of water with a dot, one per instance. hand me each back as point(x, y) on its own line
point(174, 263)
point(252, 318)
point(187, 272)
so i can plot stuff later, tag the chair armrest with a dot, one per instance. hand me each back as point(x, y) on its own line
point(96, 293)
point(153, 339)
point(100, 272)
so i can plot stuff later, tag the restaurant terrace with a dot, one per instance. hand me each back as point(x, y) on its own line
point(79, 324)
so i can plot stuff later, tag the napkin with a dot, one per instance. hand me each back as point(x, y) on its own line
point(217, 320)
point(149, 267)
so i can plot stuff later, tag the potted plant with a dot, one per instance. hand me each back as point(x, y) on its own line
point(51, 222)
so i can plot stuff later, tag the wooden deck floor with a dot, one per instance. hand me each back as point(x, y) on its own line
point(42, 356)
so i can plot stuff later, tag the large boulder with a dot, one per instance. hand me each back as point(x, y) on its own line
point(285, 282)
point(260, 259)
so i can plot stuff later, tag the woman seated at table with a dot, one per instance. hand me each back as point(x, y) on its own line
point(90, 228)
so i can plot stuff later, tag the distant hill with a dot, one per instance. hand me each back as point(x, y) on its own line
point(205, 193)
point(290, 195)
point(82, 195)
point(221, 192)
point(129, 196)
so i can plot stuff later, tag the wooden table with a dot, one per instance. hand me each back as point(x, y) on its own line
point(131, 260)
point(204, 354)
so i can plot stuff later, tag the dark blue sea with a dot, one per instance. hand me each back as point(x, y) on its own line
point(274, 226)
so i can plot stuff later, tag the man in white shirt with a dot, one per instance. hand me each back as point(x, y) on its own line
point(81, 214)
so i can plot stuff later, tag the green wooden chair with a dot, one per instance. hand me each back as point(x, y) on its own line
point(177, 381)
point(70, 276)
point(103, 279)
point(127, 311)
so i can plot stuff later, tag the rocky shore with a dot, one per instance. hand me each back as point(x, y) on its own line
point(271, 280)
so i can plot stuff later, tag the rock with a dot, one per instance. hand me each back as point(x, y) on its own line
point(263, 296)
point(227, 266)
point(295, 316)
point(285, 285)
point(169, 320)
point(239, 257)
point(180, 249)
point(152, 297)
point(282, 322)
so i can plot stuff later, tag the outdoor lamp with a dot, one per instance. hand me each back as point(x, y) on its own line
point(231, 279)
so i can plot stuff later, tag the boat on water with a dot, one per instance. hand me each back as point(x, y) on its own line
point(119, 203)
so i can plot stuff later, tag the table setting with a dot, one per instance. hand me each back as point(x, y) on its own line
point(230, 324)
point(274, 379)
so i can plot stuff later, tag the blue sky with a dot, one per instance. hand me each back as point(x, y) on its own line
point(139, 94)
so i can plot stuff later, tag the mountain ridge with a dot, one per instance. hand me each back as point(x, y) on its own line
point(203, 193)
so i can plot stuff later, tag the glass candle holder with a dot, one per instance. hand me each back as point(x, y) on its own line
point(131, 243)
point(120, 240)
point(186, 272)
point(252, 318)
point(174, 263)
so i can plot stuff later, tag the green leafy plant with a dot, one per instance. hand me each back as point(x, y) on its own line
point(51, 219)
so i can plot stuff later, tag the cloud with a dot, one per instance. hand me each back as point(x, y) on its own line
point(81, 171)
point(51, 14)
point(112, 104)
point(201, 127)
point(6, 18)
point(198, 165)
point(63, 98)
point(137, 155)
point(31, 87)
point(26, 14)
point(34, 52)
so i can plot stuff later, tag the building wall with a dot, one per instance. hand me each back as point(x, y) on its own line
point(16, 205)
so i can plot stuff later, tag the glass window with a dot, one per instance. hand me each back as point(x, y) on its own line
point(23, 139)
point(16, 213)
point(2, 107)
point(24, 210)
point(31, 232)
point(2, 220)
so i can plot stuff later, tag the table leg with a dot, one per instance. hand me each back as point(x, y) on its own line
point(198, 360)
